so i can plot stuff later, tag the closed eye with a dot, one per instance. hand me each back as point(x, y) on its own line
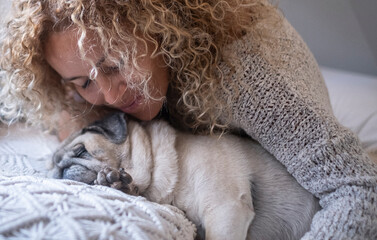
point(86, 83)
point(82, 82)
point(80, 151)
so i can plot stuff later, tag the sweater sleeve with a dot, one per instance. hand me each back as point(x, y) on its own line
point(287, 110)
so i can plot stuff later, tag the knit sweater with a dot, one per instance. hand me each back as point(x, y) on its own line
point(286, 108)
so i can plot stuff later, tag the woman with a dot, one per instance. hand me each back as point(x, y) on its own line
point(212, 66)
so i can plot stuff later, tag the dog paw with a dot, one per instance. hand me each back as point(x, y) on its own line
point(118, 179)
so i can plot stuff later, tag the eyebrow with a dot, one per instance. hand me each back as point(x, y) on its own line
point(99, 63)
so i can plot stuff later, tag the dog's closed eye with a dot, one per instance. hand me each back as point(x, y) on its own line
point(80, 151)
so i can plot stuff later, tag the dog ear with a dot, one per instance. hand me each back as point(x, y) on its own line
point(113, 127)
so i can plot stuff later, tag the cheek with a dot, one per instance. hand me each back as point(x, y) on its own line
point(92, 96)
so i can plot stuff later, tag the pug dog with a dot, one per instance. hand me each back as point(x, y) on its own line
point(229, 186)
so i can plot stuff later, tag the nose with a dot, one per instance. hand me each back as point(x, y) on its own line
point(111, 90)
point(79, 173)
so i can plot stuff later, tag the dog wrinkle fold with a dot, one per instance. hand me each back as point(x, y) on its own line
point(166, 169)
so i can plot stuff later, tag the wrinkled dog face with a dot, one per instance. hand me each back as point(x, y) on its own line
point(85, 153)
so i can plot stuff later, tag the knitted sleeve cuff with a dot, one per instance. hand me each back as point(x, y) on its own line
point(350, 212)
point(325, 166)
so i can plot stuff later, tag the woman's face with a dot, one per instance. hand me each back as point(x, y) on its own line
point(109, 88)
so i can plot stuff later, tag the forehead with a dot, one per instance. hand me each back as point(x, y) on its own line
point(65, 44)
point(61, 51)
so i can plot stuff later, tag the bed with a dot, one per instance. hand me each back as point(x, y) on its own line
point(33, 206)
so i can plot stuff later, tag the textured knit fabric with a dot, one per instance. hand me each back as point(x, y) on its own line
point(286, 108)
point(42, 208)
point(35, 207)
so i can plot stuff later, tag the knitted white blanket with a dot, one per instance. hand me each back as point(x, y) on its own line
point(35, 207)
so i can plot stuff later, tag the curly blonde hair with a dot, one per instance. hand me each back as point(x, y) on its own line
point(189, 34)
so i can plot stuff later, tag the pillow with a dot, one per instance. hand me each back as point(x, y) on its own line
point(354, 100)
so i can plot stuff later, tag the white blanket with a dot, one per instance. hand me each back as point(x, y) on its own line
point(35, 207)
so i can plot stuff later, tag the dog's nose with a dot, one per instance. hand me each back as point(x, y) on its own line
point(79, 173)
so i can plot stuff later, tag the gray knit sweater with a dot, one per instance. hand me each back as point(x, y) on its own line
point(287, 109)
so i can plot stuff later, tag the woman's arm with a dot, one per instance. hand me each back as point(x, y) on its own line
point(286, 108)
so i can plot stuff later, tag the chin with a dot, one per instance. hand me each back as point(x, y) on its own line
point(147, 114)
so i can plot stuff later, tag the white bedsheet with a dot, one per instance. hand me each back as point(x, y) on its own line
point(353, 97)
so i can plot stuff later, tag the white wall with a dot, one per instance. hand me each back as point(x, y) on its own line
point(341, 33)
